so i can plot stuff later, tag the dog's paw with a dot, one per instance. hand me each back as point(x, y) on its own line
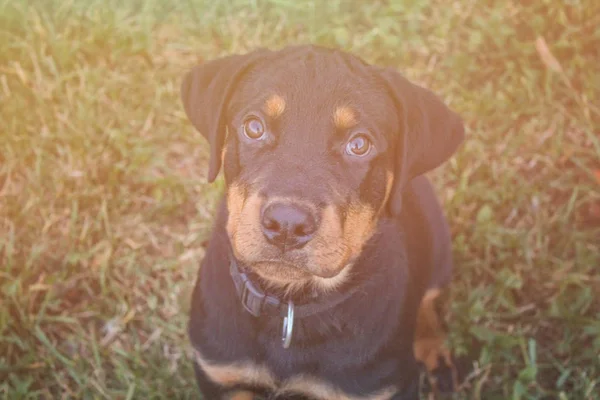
point(442, 377)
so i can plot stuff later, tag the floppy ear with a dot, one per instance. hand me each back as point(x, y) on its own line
point(429, 132)
point(205, 93)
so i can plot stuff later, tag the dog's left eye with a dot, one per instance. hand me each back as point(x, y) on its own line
point(254, 128)
point(359, 145)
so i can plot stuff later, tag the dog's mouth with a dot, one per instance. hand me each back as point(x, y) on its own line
point(293, 278)
point(313, 265)
point(292, 270)
point(278, 270)
point(277, 265)
point(296, 270)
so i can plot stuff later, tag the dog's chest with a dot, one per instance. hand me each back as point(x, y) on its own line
point(249, 353)
point(264, 375)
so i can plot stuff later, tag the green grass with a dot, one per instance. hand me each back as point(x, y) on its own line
point(104, 204)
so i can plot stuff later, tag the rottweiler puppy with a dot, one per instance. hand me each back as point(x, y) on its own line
point(330, 253)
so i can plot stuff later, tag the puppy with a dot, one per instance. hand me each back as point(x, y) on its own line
point(330, 252)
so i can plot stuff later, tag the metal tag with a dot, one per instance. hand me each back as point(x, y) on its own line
point(288, 326)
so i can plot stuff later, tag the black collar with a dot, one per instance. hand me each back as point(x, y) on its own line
point(258, 303)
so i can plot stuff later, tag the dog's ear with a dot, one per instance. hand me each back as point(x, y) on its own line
point(429, 132)
point(205, 93)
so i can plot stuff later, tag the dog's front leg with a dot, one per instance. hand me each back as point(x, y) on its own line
point(209, 389)
point(410, 393)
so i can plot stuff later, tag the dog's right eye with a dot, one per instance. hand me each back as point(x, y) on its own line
point(359, 145)
point(254, 128)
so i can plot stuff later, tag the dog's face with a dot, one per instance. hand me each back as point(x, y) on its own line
point(308, 165)
point(316, 147)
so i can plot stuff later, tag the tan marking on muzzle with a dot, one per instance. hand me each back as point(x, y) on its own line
point(278, 276)
point(250, 246)
point(327, 285)
point(274, 106)
point(358, 227)
point(327, 251)
point(344, 117)
point(336, 247)
point(324, 261)
point(244, 231)
point(389, 184)
point(235, 205)
point(228, 375)
point(322, 390)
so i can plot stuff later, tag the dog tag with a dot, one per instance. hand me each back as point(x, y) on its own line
point(288, 326)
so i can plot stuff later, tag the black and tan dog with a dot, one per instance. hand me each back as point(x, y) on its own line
point(329, 252)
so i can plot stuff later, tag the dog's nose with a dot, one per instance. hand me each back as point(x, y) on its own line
point(288, 226)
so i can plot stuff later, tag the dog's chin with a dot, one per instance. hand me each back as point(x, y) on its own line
point(284, 274)
point(280, 271)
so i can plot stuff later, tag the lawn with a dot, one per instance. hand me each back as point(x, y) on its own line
point(104, 205)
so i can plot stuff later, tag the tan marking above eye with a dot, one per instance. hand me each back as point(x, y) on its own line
point(274, 106)
point(344, 117)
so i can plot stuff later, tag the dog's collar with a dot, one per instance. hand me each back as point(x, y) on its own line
point(258, 303)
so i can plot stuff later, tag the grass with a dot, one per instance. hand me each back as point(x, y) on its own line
point(104, 205)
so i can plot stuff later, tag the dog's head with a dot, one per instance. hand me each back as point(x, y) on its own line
point(316, 147)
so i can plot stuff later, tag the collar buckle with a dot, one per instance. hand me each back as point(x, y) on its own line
point(252, 298)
